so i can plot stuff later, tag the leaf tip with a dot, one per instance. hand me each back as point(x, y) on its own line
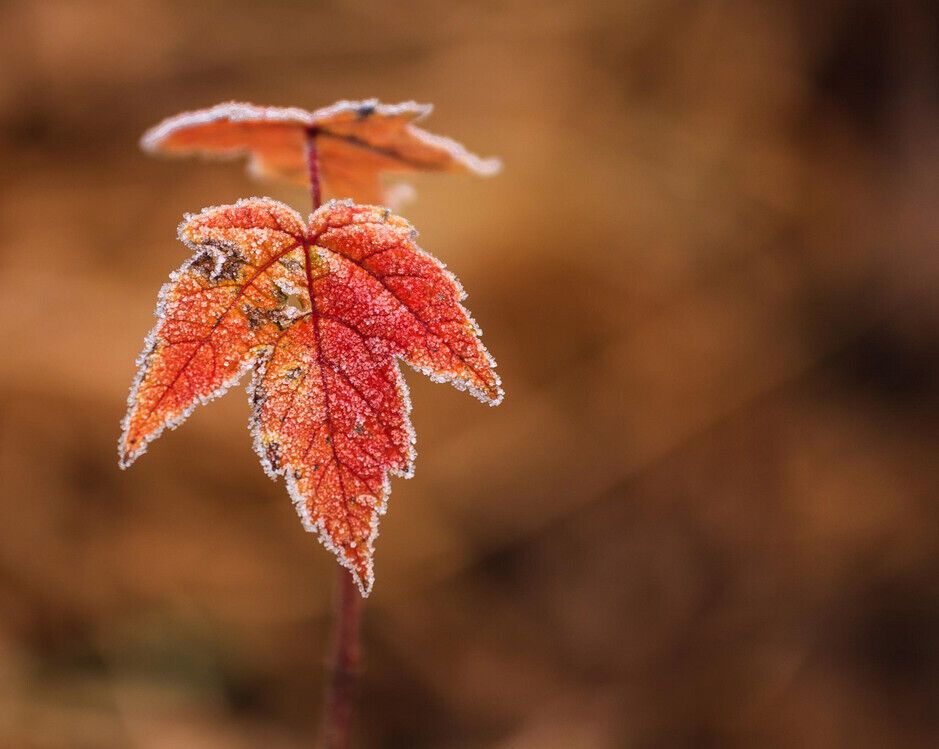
point(126, 455)
point(365, 587)
point(496, 396)
point(485, 167)
point(148, 142)
point(358, 558)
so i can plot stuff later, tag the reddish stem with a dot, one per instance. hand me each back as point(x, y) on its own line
point(313, 164)
point(345, 664)
point(346, 654)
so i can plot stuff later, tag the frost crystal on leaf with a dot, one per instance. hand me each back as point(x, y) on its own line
point(356, 140)
point(321, 312)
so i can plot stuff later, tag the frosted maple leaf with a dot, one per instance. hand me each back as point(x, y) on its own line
point(357, 142)
point(321, 311)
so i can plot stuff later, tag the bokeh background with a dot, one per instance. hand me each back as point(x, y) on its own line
point(706, 514)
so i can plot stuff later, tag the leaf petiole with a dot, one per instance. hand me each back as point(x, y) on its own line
point(313, 165)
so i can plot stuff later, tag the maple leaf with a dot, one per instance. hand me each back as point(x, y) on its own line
point(356, 141)
point(321, 311)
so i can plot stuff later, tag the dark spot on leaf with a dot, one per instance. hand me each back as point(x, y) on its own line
point(256, 317)
point(203, 265)
point(272, 451)
point(229, 269)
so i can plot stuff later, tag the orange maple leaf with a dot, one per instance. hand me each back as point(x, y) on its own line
point(321, 311)
point(357, 140)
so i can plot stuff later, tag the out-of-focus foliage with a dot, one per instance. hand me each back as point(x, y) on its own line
point(356, 142)
point(705, 516)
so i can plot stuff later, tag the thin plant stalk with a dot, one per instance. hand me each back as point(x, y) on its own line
point(313, 164)
point(345, 664)
point(345, 658)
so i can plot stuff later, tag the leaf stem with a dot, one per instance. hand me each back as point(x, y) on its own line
point(343, 673)
point(313, 164)
point(345, 663)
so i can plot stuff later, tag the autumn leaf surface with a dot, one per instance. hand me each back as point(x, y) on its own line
point(321, 312)
point(356, 142)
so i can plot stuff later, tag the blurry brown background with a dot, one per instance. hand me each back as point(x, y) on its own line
point(705, 515)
